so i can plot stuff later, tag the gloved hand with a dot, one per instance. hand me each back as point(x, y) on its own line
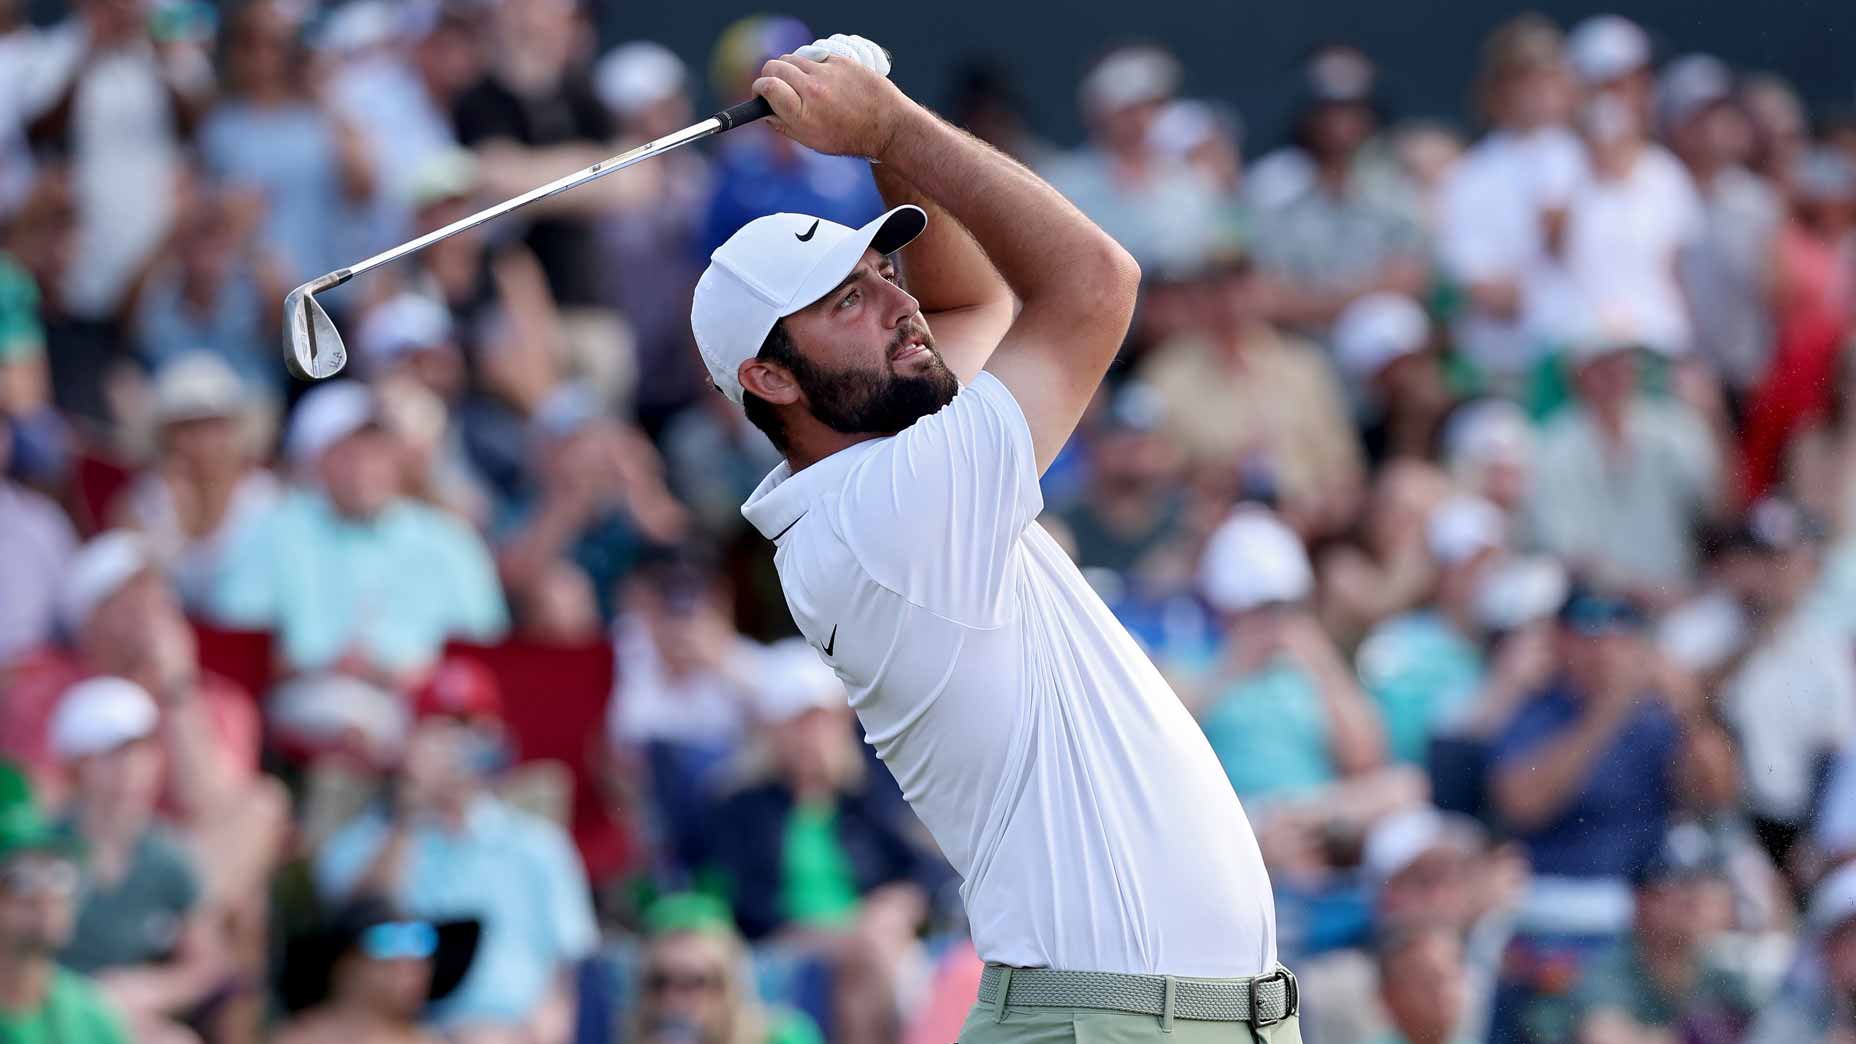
point(852, 48)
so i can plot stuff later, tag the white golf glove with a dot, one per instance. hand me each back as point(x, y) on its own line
point(852, 48)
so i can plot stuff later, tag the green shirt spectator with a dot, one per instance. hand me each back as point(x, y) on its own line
point(73, 1012)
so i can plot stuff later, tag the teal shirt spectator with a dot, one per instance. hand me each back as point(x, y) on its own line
point(397, 585)
point(516, 873)
point(1270, 732)
point(1420, 671)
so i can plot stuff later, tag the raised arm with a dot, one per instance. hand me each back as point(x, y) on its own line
point(1076, 286)
point(963, 297)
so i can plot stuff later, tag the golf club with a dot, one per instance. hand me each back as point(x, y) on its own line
point(315, 348)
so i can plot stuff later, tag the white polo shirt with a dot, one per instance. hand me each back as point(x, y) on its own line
point(1063, 779)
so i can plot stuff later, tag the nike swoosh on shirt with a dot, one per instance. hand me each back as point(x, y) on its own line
point(807, 238)
point(832, 642)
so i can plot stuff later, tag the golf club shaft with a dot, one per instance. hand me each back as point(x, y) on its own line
point(728, 119)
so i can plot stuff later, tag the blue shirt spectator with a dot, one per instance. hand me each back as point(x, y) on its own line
point(346, 571)
point(1615, 819)
point(516, 873)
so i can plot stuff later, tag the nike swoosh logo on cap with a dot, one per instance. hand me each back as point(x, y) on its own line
point(807, 238)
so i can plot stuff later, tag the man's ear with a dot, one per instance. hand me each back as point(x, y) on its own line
point(769, 381)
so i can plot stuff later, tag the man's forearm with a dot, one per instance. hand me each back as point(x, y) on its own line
point(1041, 244)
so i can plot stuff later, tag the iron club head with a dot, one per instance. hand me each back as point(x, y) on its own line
point(316, 349)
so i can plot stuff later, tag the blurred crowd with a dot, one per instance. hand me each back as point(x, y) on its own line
point(1487, 490)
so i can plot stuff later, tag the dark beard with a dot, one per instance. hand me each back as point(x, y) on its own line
point(859, 402)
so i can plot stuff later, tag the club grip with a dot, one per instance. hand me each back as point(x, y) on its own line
point(754, 108)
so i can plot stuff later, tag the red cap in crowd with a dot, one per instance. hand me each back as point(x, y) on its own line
point(459, 688)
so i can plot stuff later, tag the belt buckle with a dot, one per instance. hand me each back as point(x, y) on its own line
point(1292, 997)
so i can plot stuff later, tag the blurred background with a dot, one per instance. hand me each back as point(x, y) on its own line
point(1480, 466)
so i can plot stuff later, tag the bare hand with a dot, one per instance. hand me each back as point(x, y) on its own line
point(836, 107)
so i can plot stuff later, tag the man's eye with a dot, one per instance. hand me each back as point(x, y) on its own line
point(849, 300)
point(890, 275)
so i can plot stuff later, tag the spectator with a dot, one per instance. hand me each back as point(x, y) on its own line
point(1280, 706)
point(1424, 873)
point(35, 543)
point(141, 928)
point(1382, 567)
point(1586, 776)
point(38, 886)
point(350, 574)
point(812, 853)
point(599, 502)
point(269, 134)
point(368, 975)
point(534, 97)
point(408, 350)
point(1791, 697)
point(648, 246)
point(683, 696)
point(83, 357)
point(1335, 239)
point(1509, 190)
point(1817, 1001)
point(502, 315)
point(759, 172)
point(1623, 480)
point(1488, 448)
point(1781, 127)
point(1812, 308)
point(1666, 976)
point(1160, 210)
point(1612, 55)
point(1239, 393)
point(1207, 137)
point(1627, 225)
point(693, 983)
point(1425, 666)
point(26, 405)
point(139, 105)
point(204, 484)
point(214, 287)
point(442, 846)
point(1129, 521)
point(19, 39)
point(399, 96)
point(1423, 982)
point(1725, 273)
point(119, 617)
point(1382, 346)
point(713, 459)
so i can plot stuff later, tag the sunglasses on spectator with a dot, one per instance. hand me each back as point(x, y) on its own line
point(666, 980)
point(31, 877)
point(400, 941)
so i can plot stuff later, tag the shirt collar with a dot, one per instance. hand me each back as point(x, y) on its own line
point(783, 497)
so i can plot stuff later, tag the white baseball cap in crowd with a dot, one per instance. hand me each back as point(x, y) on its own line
point(634, 76)
point(1129, 76)
point(1377, 330)
point(775, 266)
point(1253, 560)
point(1689, 85)
point(195, 386)
point(1607, 47)
point(101, 714)
point(1463, 527)
point(1402, 838)
point(400, 325)
point(1492, 431)
point(793, 680)
point(100, 569)
point(1519, 591)
point(329, 413)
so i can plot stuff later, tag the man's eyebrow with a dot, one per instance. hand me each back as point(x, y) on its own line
point(856, 274)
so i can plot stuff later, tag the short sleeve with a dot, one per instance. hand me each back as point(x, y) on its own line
point(570, 910)
point(936, 515)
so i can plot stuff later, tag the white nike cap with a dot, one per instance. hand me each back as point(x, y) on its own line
point(773, 267)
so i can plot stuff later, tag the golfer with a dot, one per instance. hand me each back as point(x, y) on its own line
point(1113, 884)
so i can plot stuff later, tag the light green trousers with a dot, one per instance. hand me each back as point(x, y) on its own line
point(1033, 1025)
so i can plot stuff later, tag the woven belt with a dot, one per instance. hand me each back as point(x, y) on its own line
point(1261, 1001)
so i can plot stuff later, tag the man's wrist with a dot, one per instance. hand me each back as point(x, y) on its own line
point(906, 124)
